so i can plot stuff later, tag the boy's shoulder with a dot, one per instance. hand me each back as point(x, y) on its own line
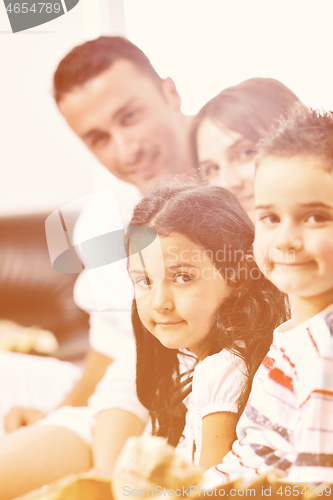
point(328, 318)
point(308, 343)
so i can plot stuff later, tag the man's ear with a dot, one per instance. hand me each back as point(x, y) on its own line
point(170, 93)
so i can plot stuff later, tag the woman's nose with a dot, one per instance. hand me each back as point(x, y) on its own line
point(162, 299)
point(230, 178)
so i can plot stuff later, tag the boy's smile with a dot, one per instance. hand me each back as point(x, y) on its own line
point(179, 311)
point(294, 226)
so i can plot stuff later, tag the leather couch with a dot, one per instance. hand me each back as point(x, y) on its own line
point(32, 292)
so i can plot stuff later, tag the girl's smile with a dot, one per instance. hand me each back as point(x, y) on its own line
point(180, 309)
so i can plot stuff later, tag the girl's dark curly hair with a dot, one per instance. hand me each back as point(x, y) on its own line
point(212, 218)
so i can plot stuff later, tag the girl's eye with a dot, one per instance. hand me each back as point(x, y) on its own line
point(183, 278)
point(316, 218)
point(269, 219)
point(143, 282)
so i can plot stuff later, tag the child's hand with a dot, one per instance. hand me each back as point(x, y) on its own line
point(20, 417)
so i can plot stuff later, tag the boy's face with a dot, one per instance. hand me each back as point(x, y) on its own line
point(294, 226)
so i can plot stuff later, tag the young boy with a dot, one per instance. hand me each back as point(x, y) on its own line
point(288, 421)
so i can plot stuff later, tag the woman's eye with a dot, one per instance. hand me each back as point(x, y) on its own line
point(211, 170)
point(183, 278)
point(246, 154)
point(316, 218)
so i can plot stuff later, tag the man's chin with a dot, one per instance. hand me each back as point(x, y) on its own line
point(147, 185)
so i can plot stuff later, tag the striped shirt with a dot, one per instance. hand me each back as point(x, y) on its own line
point(288, 421)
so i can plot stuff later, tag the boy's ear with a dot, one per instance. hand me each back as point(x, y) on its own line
point(170, 93)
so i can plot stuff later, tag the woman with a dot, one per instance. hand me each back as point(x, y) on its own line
point(228, 127)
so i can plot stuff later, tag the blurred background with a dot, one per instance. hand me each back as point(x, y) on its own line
point(204, 46)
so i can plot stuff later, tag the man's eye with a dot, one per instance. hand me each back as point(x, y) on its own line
point(99, 140)
point(183, 278)
point(143, 282)
point(317, 218)
point(130, 117)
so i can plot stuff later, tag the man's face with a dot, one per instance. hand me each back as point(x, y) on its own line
point(132, 126)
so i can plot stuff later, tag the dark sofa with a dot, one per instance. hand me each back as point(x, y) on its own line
point(32, 292)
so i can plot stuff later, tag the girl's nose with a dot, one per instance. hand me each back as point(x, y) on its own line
point(162, 300)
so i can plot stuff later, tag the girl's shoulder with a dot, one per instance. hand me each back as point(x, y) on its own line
point(219, 380)
point(218, 364)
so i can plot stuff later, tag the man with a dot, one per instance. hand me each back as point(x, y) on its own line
point(131, 120)
point(128, 116)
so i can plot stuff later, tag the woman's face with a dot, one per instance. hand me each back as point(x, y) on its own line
point(227, 159)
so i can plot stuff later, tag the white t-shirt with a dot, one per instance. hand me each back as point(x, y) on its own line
point(217, 384)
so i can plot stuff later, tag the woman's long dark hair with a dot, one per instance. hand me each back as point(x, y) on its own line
point(250, 108)
point(212, 218)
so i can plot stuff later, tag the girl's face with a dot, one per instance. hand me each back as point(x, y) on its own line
point(226, 158)
point(180, 310)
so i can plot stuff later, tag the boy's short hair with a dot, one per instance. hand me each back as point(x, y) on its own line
point(88, 60)
point(305, 131)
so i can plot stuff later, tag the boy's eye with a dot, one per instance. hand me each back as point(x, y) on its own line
point(183, 278)
point(269, 219)
point(316, 218)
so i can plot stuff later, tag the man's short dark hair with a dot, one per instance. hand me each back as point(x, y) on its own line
point(88, 60)
point(305, 131)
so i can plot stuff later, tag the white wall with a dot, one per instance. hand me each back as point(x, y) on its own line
point(207, 45)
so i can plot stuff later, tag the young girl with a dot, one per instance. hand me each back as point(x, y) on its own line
point(287, 423)
point(212, 302)
point(228, 127)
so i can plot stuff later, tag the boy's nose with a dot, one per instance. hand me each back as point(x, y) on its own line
point(289, 237)
point(162, 299)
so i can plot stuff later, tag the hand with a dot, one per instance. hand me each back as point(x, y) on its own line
point(19, 417)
